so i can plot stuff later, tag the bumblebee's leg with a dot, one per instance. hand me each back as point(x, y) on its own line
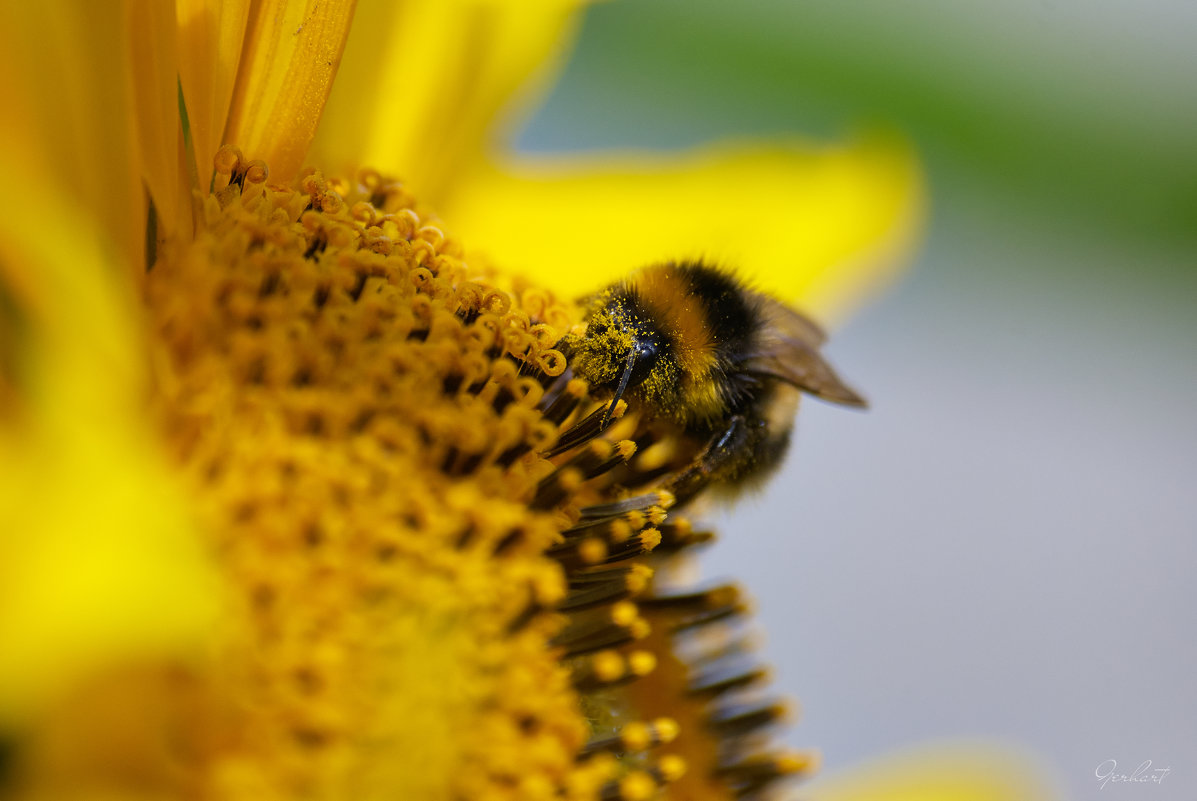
point(729, 455)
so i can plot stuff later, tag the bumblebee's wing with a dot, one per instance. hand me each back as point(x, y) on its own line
point(789, 351)
point(785, 322)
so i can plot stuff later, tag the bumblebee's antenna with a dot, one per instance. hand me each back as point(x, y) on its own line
point(623, 384)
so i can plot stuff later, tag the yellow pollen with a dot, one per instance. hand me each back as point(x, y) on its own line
point(637, 786)
point(672, 767)
point(641, 663)
point(609, 666)
point(624, 614)
point(666, 728)
point(651, 538)
point(657, 455)
point(592, 551)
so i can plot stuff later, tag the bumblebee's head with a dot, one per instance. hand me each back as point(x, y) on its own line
point(623, 350)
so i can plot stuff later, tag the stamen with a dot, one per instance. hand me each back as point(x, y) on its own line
point(590, 427)
point(623, 385)
point(660, 498)
point(618, 626)
point(716, 683)
point(636, 737)
point(738, 721)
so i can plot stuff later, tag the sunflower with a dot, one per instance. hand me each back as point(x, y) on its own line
point(277, 517)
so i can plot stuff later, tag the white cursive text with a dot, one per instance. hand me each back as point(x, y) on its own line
point(1144, 774)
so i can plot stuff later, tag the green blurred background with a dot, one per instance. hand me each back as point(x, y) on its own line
point(1004, 546)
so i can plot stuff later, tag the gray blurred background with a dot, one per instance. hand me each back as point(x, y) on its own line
point(1004, 546)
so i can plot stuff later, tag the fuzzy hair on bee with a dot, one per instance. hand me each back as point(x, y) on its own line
point(689, 344)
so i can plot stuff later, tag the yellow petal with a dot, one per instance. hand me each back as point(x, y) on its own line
point(154, 73)
point(818, 227)
point(422, 83)
point(98, 560)
point(949, 772)
point(292, 50)
point(69, 114)
point(210, 35)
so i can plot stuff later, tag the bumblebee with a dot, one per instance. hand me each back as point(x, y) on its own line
point(722, 365)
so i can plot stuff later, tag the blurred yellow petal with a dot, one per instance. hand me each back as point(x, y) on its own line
point(151, 25)
point(210, 35)
point(69, 114)
point(292, 51)
point(947, 772)
point(820, 227)
point(98, 560)
point(422, 82)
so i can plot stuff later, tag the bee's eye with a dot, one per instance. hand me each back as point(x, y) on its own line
point(646, 352)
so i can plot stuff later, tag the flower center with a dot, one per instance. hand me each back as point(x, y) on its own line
point(359, 418)
point(436, 579)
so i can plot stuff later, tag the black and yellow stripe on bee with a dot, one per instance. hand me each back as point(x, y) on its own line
point(690, 327)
